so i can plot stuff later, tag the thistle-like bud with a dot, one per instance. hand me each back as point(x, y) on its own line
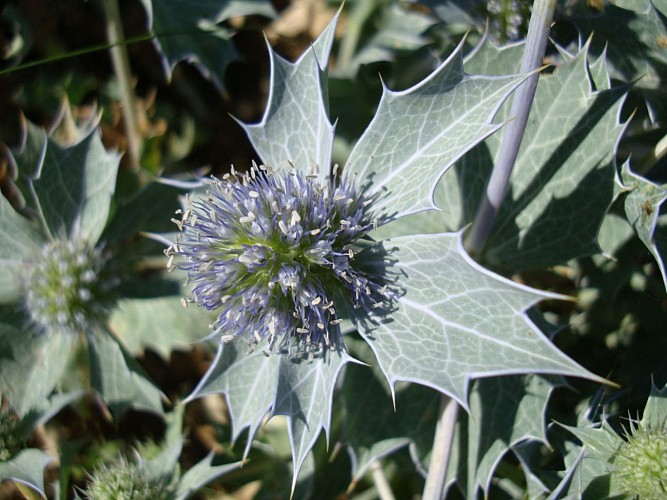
point(640, 463)
point(123, 479)
point(278, 254)
point(68, 286)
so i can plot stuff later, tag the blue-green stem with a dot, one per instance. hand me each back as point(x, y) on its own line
point(533, 56)
point(535, 47)
point(121, 65)
point(436, 480)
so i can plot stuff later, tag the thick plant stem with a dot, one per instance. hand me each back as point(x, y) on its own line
point(121, 65)
point(434, 488)
point(536, 43)
point(381, 483)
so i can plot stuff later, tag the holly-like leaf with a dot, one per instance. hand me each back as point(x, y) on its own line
point(117, 377)
point(642, 208)
point(31, 363)
point(73, 188)
point(395, 27)
point(160, 324)
point(199, 475)
point(564, 169)
point(19, 239)
point(634, 36)
point(255, 384)
point(457, 321)
point(189, 30)
point(420, 132)
point(28, 468)
point(295, 128)
point(144, 212)
point(504, 411)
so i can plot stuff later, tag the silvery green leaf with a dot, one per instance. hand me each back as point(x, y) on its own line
point(188, 30)
point(418, 133)
point(73, 188)
point(564, 169)
point(256, 384)
point(144, 212)
point(305, 397)
point(117, 377)
point(202, 473)
point(31, 363)
point(615, 231)
point(44, 410)
point(528, 453)
point(395, 26)
point(162, 467)
point(295, 129)
point(633, 36)
point(248, 379)
point(373, 428)
point(28, 468)
point(642, 208)
point(589, 474)
point(19, 240)
point(161, 324)
point(457, 321)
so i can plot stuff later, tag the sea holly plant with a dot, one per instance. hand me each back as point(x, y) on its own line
point(630, 461)
point(59, 283)
point(296, 252)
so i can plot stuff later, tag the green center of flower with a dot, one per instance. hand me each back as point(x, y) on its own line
point(67, 286)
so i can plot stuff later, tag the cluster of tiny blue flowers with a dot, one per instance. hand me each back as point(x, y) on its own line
point(277, 254)
point(68, 286)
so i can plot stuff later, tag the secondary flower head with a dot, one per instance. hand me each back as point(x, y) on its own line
point(68, 285)
point(277, 254)
point(641, 462)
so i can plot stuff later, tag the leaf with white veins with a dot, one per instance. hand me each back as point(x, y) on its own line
point(642, 208)
point(419, 133)
point(457, 321)
point(295, 128)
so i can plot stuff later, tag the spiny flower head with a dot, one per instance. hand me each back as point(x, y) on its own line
point(640, 463)
point(68, 285)
point(277, 254)
point(126, 480)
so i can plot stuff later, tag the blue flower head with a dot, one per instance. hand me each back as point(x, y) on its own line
point(280, 255)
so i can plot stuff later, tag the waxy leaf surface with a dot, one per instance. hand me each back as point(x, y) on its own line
point(642, 208)
point(19, 240)
point(419, 133)
point(188, 30)
point(73, 188)
point(31, 363)
point(564, 169)
point(295, 129)
point(457, 321)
